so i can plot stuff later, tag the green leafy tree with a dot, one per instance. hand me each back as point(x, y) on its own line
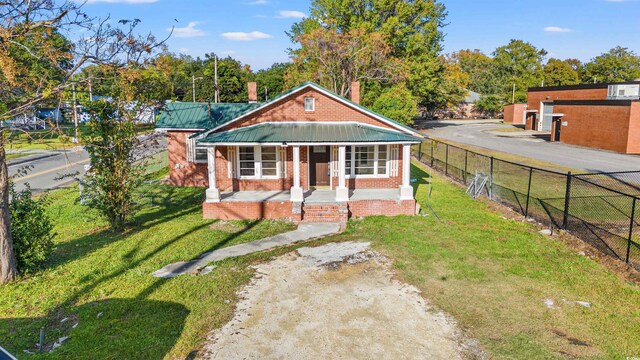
point(618, 65)
point(481, 69)
point(412, 31)
point(397, 103)
point(31, 229)
point(272, 79)
point(111, 141)
point(557, 73)
point(490, 104)
point(518, 63)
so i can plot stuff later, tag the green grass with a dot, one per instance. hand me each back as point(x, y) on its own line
point(492, 275)
point(104, 280)
point(489, 273)
point(507, 129)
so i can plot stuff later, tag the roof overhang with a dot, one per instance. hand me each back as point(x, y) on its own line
point(285, 144)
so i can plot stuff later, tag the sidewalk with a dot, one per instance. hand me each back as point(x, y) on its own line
point(304, 231)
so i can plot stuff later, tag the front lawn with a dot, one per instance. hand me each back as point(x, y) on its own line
point(489, 273)
point(103, 282)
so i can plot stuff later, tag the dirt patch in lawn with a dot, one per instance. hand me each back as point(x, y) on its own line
point(338, 300)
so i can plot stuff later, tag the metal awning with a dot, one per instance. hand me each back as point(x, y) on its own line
point(308, 133)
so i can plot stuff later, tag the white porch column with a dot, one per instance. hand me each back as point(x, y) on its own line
point(406, 190)
point(212, 193)
point(342, 193)
point(296, 190)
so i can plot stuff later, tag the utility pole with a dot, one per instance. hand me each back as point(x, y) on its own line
point(215, 78)
point(266, 97)
point(513, 96)
point(90, 91)
point(75, 107)
point(193, 86)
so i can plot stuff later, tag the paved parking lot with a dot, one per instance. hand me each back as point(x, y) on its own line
point(591, 160)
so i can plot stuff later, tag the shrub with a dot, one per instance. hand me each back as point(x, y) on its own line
point(31, 229)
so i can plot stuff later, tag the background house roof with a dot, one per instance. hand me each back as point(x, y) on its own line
point(307, 133)
point(472, 98)
point(190, 115)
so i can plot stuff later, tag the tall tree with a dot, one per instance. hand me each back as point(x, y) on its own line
point(336, 59)
point(32, 38)
point(519, 63)
point(271, 80)
point(618, 65)
point(412, 31)
point(481, 69)
point(557, 73)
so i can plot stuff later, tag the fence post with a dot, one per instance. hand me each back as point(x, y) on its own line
point(466, 153)
point(420, 152)
point(567, 198)
point(446, 160)
point(432, 145)
point(491, 180)
point(526, 211)
point(633, 215)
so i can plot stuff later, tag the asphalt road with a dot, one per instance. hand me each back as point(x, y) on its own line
point(590, 160)
point(51, 169)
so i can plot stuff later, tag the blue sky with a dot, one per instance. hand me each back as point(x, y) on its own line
point(252, 31)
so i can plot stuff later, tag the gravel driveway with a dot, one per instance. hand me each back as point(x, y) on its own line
point(336, 301)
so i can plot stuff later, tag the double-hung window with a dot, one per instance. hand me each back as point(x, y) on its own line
point(366, 161)
point(257, 162)
point(195, 154)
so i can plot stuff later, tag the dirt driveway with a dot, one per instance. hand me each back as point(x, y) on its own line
point(335, 301)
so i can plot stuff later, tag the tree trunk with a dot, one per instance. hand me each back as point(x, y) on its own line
point(8, 268)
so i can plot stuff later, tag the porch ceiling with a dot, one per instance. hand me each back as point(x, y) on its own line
point(308, 133)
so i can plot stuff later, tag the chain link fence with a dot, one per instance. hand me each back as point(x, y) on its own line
point(602, 209)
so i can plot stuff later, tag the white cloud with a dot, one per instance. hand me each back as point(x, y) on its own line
point(260, 16)
point(291, 14)
point(121, 1)
point(228, 52)
point(557, 29)
point(188, 31)
point(245, 36)
point(183, 50)
point(258, 2)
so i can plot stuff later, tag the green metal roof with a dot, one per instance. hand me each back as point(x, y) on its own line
point(307, 133)
point(190, 115)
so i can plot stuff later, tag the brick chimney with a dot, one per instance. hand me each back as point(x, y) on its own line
point(253, 92)
point(355, 92)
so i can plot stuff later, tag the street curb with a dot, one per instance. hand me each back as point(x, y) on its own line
point(22, 161)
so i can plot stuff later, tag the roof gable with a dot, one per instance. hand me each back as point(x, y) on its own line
point(294, 93)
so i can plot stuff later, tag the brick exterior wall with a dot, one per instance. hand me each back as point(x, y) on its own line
point(535, 97)
point(315, 212)
point(381, 207)
point(291, 108)
point(601, 127)
point(238, 210)
point(513, 114)
point(184, 173)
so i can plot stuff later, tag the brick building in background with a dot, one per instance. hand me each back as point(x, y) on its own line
point(306, 155)
point(602, 116)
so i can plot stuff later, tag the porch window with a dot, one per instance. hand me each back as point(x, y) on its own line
point(201, 154)
point(257, 162)
point(269, 161)
point(247, 161)
point(366, 161)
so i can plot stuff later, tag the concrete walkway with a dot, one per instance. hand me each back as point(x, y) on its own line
point(304, 231)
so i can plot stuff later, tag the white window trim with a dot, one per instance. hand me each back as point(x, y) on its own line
point(313, 104)
point(375, 175)
point(192, 154)
point(257, 163)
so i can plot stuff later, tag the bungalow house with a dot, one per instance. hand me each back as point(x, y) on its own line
point(306, 155)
